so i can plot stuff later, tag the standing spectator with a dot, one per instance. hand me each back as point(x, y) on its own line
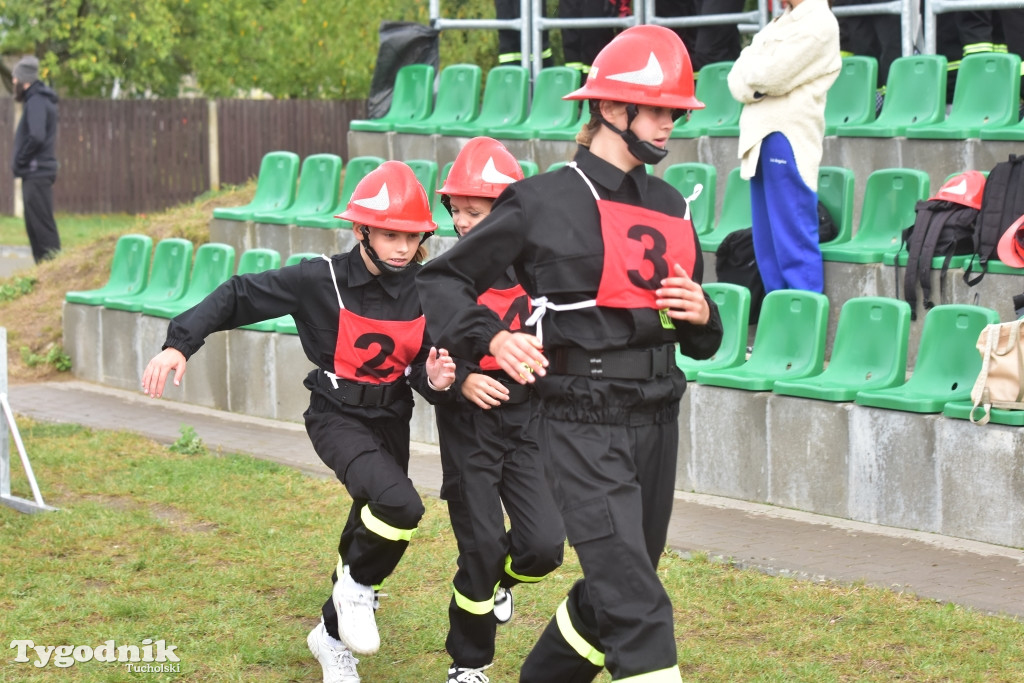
point(510, 49)
point(783, 79)
point(35, 157)
point(580, 46)
point(871, 35)
point(958, 34)
point(489, 451)
point(613, 267)
point(706, 44)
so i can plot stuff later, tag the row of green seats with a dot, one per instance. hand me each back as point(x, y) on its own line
point(868, 364)
point(506, 109)
point(985, 103)
point(175, 283)
point(312, 198)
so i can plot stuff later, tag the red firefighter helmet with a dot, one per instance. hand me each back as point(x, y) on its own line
point(964, 188)
point(644, 64)
point(484, 168)
point(390, 197)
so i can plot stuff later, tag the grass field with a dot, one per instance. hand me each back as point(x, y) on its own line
point(228, 558)
point(74, 229)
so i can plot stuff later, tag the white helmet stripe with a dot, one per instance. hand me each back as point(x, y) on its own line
point(649, 75)
point(491, 174)
point(380, 202)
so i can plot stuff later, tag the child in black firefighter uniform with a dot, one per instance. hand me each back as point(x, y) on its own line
point(489, 451)
point(359, 321)
point(610, 260)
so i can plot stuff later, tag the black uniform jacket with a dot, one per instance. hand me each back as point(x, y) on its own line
point(548, 228)
point(307, 293)
point(35, 139)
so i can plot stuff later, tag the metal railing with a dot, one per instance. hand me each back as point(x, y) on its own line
point(933, 8)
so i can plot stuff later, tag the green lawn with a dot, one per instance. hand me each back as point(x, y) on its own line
point(74, 229)
point(227, 558)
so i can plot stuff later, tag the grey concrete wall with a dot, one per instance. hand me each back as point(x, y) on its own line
point(922, 472)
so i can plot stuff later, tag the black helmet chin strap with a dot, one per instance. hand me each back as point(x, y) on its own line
point(646, 152)
point(384, 268)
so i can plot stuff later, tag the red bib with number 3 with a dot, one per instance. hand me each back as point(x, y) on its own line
point(375, 351)
point(513, 305)
point(641, 247)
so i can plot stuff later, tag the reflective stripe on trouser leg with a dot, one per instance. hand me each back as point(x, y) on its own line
point(575, 640)
point(478, 607)
point(382, 528)
point(664, 676)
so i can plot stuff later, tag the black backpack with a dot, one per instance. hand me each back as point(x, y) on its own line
point(941, 228)
point(1001, 204)
point(735, 262)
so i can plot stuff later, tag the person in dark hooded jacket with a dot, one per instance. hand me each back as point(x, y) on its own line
point(35, 157)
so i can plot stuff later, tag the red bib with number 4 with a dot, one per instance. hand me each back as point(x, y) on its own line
point(375, 351)
point(641, 247)
point(513, 305)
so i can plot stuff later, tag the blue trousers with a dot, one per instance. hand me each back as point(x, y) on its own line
point(785, 221)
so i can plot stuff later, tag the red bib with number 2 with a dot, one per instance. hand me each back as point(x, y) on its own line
point(375, 351)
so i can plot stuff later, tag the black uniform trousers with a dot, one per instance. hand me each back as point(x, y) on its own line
point(491, 457)
point(580, 46)
point(706, 44)
point(37, 198)
point(614, 484)
point(875, 36)
point(371, 458)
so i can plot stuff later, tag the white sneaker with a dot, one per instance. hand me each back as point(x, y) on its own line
point(461, 674)
point(503, 607)
point(337, 661)
point(356, 624)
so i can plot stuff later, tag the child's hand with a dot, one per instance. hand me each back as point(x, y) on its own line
point(155, 376)
point(440, 369)
point(683, 298)
point(520, 355)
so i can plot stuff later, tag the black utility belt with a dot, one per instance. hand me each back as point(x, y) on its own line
point(517, 393)
point(363, 394)
point(647, 363)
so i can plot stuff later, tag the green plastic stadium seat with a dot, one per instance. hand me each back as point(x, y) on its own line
point(835, 191)
point(888, 208)
point(686, 176)
point(736, 213)
point(851, 99)
point(961, 410)
point(789, 343)
point(426, 172)
point(734, 306)
point(168, 278)
point(286, 323)
point(317, 194)
point(569, 131)
point(530, 168)
point(987, 95)
point(129, 272)
point(870, 352)
point(548, 110)
point(720, 109)
point(915, 95)
point(257, 260)
point(272, 324)
point(505, 103)
point(412, 99)
point(445, 226)
point(947, 364)
point(458, 97)
point(275, 188)
point(214, 264)
point(355, 170)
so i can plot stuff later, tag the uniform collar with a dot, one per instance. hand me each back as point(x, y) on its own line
point(607, 175)
point(359, 275)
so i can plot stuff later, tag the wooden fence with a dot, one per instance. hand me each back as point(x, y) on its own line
point(138, 156)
